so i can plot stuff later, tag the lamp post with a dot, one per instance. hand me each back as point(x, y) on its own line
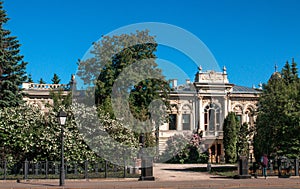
point(62, 117)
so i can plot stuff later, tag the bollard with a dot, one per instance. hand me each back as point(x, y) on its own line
point(243, 168)
point(208, 167)
point(147, 169)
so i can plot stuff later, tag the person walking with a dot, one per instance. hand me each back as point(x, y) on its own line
point(264, 162)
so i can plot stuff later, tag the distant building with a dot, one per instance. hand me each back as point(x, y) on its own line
point(39, 94)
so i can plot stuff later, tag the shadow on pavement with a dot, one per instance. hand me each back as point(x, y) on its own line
point(37, 184)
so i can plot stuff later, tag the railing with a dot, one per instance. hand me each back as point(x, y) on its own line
point(74, 170)
point(213, 133)
point(281, 167)
point(38, 86)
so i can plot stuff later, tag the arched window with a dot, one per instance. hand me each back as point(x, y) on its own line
point(238, 110)
point(212, 118)
point(249, 116)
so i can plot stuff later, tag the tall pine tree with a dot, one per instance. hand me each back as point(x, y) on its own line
point(41, 81)
point(12, 68)
point(29, 79)
point(55, 79)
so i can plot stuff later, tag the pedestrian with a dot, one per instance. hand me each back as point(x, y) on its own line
point(264, 162)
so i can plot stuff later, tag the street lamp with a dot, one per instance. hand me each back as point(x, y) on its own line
point(62, 117)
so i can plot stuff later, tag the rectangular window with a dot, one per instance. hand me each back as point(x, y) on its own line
point(218, 121)
point(212, 120)
point(239, 117)
point(172, 121)
point(186, 119)
point(205, 120)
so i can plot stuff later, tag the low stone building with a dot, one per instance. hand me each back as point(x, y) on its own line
point(40, 94)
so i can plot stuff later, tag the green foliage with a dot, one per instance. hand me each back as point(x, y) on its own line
point(26, 133)
point(60, 99)
point(29, 79)
point(242, 141)
point(107, 137)
point(278, 121)
point(12, 68)
point(128, 80)
point(230, 138)
point(184, 149)
point(55, 79)
point(41, 81)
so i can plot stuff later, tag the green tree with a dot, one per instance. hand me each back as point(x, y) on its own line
point(184, 148)
point(230, 138)
point(26, 133)
point(60, 99)
point(278, 119)
point(287, 73)
point(242, 142)
point(12, 68)
point(294, 71)
point(55, 79)
point(122, 65)
point(29, 79)
point(41, 81)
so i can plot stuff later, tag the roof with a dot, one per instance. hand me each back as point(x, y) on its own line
point(241, 89)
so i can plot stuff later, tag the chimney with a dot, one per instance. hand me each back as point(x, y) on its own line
point(188, 81)
point(173, 83)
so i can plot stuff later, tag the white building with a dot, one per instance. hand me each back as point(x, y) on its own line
point(198, 106)
point(202, 105)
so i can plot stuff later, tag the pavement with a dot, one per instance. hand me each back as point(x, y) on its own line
point(168, 176)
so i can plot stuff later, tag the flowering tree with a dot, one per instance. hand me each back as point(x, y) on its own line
point(107, 137)
point(27, 133)
point(184, 148)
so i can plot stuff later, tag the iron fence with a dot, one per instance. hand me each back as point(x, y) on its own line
point(74, 170)
point(281, 167)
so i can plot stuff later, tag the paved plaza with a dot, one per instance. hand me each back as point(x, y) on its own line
point(167, 176)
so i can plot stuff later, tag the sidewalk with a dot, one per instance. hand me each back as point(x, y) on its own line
point(179, 172)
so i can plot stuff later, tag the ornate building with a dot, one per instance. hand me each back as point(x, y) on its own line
point(39, 94)
point(202, 105)
point(198, 106)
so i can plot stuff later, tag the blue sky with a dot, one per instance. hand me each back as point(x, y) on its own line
point(247, 36)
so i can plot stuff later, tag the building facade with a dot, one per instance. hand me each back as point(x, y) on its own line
point(199, 106)
point(40, 94)
point(202, 105)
